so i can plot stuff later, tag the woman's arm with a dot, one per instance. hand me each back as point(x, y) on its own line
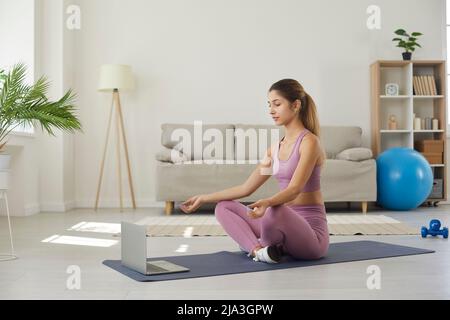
point(311, 151)
point(257, 179)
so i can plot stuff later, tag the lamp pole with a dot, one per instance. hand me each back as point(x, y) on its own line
point(121, 135)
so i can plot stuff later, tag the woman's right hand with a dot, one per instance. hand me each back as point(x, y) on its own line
point(192, 204)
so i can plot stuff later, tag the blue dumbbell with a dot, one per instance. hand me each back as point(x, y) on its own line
point(435, 230)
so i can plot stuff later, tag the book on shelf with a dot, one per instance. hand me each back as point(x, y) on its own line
point(416, 86)
point(427, 86)
point(421, 88)
point(433, 82)
point(432, 87)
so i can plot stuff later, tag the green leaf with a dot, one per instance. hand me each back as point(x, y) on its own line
point(400, 32)
point(397, 39)
point(417, 34)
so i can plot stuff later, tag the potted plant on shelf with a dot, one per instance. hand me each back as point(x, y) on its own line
point(22, 104)
point(409, 42)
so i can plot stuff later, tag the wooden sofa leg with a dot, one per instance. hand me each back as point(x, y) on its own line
point(364, 207)
point(169, 207)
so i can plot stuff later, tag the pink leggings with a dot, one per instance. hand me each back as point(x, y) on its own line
point(301, 231)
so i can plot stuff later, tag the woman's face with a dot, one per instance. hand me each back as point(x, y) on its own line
point(281, 110)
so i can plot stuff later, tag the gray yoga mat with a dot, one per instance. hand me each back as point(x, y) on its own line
point(224, 262)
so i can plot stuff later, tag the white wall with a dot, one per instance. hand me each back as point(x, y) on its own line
point(17, 34)
point(214, 60)
point(55, 61)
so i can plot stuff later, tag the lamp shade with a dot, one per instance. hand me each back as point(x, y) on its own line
point(115, 76)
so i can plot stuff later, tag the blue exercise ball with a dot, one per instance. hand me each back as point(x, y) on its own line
point(404, 178)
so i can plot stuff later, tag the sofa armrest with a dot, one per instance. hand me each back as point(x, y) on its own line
point(355, 154)
point(171, 156)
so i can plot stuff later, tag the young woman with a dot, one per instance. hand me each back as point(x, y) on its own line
point(293, 221)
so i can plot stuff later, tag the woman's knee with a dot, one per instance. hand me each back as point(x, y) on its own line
point(271, 219)
point(221, 206)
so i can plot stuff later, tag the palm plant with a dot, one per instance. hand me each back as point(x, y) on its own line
point(22, 104)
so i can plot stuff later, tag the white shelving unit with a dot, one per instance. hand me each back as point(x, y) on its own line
point(405, 105)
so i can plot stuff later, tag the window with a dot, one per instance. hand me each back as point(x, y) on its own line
point(24, 129)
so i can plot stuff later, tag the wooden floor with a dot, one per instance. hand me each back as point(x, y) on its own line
point(41, 271)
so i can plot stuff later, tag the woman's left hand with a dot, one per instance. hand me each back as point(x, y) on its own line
point(259, 209)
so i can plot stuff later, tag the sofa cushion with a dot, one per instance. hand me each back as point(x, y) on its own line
point(252, 141)
point(200, 141)
point(338, 139)
point(171, 156)
point(355, 154)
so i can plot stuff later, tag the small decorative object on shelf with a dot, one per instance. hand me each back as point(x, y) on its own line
point(393, 123)
point(392, 89)
point(409, 43)
point(428, 124)
point(417, 124)
point(435, 124)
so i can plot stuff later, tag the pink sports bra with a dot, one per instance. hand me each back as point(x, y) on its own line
point(284, 170)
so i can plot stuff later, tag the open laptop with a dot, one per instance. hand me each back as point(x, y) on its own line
point(134, 252)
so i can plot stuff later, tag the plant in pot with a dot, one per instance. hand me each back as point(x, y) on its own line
point(22, 104)
point(409, 42)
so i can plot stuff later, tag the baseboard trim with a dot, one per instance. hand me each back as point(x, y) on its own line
point(32, 209)
point(114, 204)
point(57, 206)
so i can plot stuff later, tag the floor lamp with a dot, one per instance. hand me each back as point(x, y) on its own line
point(113, 79)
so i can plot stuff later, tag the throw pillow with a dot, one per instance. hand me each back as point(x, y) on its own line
point(171, 156)
point(355, 154)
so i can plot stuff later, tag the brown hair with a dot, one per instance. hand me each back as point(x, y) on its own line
point(292, 90)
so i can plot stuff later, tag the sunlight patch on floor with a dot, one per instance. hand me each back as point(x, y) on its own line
point(100, 227)
point(80, 241)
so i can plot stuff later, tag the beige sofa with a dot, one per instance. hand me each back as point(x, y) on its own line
point(188, 165)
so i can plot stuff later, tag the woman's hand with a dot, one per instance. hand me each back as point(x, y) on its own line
point(192, 204)
point(259, 209)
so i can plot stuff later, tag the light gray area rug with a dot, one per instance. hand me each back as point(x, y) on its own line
point(339, 225)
